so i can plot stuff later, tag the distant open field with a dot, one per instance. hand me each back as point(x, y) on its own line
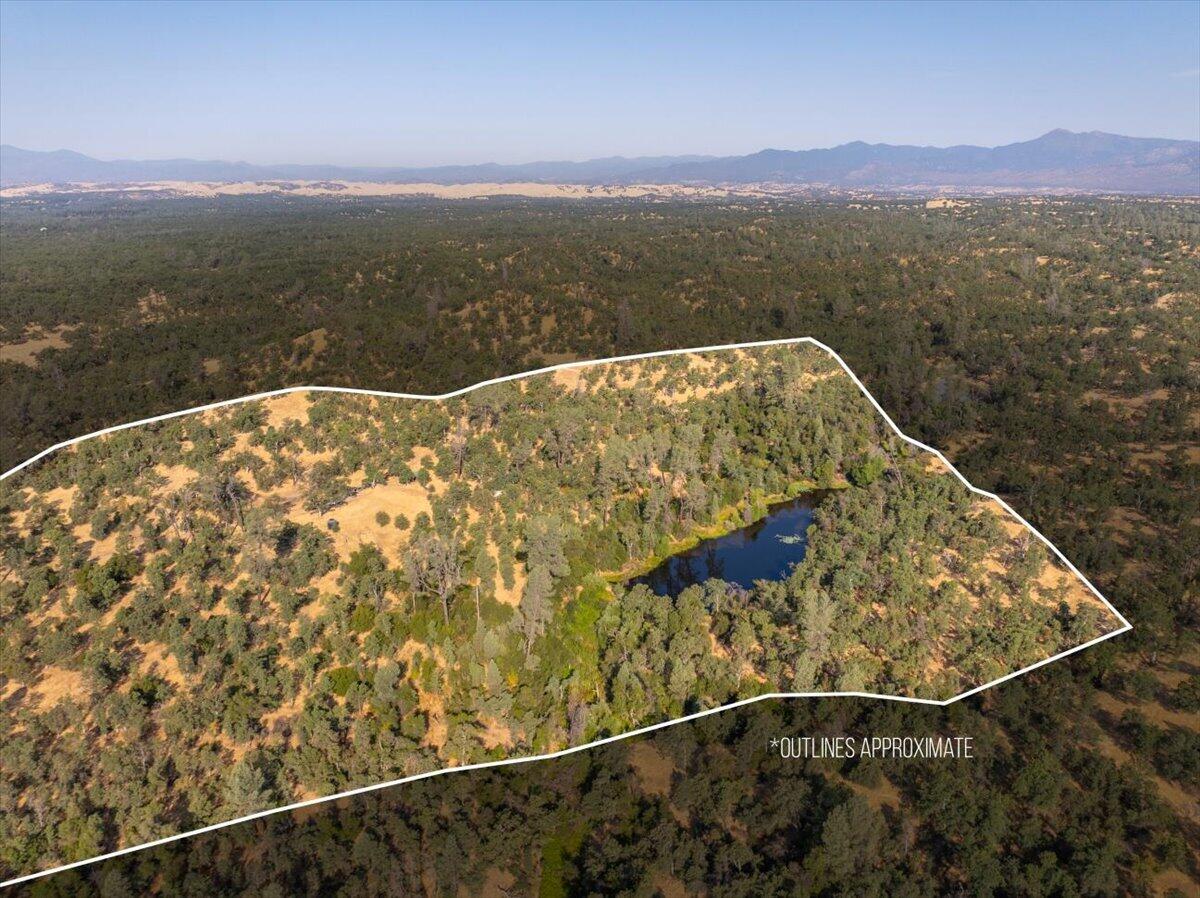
point(209, 189)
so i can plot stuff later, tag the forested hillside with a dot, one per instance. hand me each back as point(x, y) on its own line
point(295, 596)
point(1049, 347)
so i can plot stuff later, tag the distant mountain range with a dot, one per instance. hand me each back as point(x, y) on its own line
point(18, 166)
point(1063, 160)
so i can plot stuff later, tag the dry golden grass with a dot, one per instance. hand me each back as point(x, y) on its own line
point(495, 734)
point(317, 342)
point(357, 525)
point(288, 407)
point(882, 795)
point(476, 190)
point(652, 769)
point(669, 886)
point(34, 341)
point(56, 684)
point(497, 883)
point(1055, 578)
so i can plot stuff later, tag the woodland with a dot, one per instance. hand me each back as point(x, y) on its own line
point(706, 808)
point(1049, 346)
point(291, 597)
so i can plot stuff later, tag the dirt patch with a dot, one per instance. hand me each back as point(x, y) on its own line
point(435, 715)
point(1122, 523)
point(1177, 880)
point(58, 683)
point(672, 389)
point(1128, 402)
point(34, 341)
point(497, 883)
point(1152, 711)
point(504, 595)
point(308, 347)
point(285, 714)
point(152, 307)
point(882, 795)
point(495, 734)
point(357, 523)
point(1180, 801)
point(100, 550)
point(177, 477)
point(159, 661)
point(653, 770)
point(1055, 578)
point(1167, 300)
point(288, 407)
point(668, 886)
point(559, 358)
point(62, 496)
point(569, 378)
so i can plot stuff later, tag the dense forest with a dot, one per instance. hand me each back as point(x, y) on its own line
point(707, 808)
point(118, 310)
point(1049, 346)
point(294, 596)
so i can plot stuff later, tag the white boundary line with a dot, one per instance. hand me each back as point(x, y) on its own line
point(1125, 624)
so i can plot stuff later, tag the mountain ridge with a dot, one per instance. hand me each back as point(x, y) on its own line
point(1093, 161)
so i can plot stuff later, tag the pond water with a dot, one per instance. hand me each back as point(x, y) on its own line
point(765, 550)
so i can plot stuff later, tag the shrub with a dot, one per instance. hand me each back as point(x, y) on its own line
point(341, 679)
point(362, 619)
point(866, 470)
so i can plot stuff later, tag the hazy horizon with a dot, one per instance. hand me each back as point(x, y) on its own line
point(291, 162)
point(449, 84)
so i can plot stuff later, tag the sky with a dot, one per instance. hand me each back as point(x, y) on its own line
point(417, 84)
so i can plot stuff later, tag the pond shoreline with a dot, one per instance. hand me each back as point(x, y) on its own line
point(730, 519)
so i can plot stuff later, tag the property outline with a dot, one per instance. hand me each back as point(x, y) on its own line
point(1126, 625)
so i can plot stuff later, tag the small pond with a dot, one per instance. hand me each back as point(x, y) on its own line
point(764, 550)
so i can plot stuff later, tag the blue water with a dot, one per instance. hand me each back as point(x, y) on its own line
point(765, 550)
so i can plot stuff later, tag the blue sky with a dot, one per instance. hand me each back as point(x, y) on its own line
point(368, 83)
